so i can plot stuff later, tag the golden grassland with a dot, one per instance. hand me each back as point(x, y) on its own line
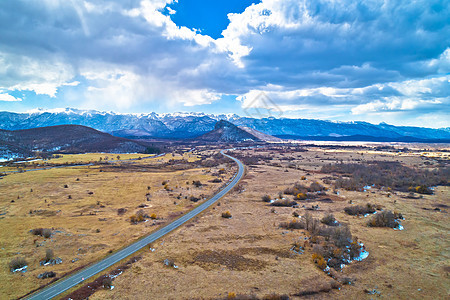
point(80, 205)
point(249, 254)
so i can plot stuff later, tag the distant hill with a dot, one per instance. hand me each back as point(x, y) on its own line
point(62, 139)
point(191, 125)
point(226, 132)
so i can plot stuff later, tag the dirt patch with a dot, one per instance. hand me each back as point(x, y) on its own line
point(211, 259)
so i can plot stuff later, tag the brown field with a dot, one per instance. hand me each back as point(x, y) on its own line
point(80, 205)
point(248, 254)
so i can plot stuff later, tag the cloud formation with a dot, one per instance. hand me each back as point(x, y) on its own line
point(356, 58)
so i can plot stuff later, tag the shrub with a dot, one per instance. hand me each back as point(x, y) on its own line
point(266, 198)
point(275, 297)
point(360, 209)
point(355, 250)
point(297, 188)
point(140, 216)
point(107, 282)
point(37, 231)
point(153, 216)
point(231, 295)
point(284, 202)
point(194, 199)
point(301, 196)
point(226, 215)
point(45, 275)
point(17, 263)
point(121, 211)
point(48, 255)
point(384, 219)
point(422, 189)
point(47, 233)
point(320, 261)
point(316, 187)
point(197, 183)
point(311, 224)
point(44, 232)
point(293, 224)
point(164, 182)
point(66, 186)
point(329, 220)
point(341, 236)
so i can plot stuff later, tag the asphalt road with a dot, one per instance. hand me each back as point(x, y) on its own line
point(72, 280)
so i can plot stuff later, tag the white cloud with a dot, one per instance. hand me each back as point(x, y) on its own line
point(24, 73)
point(8, 97)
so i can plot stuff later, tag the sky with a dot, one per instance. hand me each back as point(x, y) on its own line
point(344, 60)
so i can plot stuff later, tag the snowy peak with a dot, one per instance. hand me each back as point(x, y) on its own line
point(182, 125)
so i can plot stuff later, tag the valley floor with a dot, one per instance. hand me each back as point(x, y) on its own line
point(247, 255)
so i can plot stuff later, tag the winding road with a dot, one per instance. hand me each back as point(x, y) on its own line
point(68, 282)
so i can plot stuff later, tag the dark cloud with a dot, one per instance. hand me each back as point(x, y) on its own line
point(362, 55)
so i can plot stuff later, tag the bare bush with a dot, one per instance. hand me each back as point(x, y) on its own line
point(293, 224)
point(360, 209)
point(384, 219)
point(197, 183)
point(284, 202)
point(17, 263)
point(107, 282)
point(329, 220)
point(266, 198)
point(49, 255)
point(44, 232)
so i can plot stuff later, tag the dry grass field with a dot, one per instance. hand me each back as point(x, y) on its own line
point(80, 206)
point(249, 254)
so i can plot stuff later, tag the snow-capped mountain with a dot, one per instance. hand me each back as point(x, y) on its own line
point(189, 125)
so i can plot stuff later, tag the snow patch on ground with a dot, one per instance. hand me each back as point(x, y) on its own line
point(23, 269)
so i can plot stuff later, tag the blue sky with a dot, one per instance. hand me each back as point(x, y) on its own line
point(375, 61)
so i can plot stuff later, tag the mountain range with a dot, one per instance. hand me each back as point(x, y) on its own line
point(62, 139)
point(191, 125)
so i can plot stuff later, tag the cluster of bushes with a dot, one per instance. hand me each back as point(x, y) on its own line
point(357, 210)
point(44, 232)
point(300, 188)
point(333, 245)
point(386, 219)
point(301, 192)
point(140, 216)
point(387, 174)
point(284, 202)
